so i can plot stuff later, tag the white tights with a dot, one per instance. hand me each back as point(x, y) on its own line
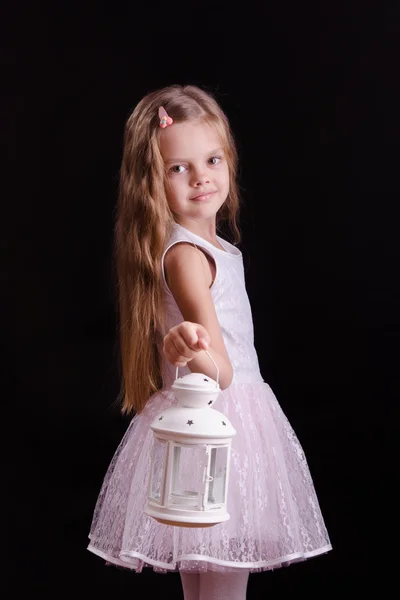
point(212, 585)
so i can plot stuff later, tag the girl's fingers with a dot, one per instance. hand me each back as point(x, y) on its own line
point(183, 342)
point(181, 350)
point(173, 355)
point(196, 337)
point(203, 343)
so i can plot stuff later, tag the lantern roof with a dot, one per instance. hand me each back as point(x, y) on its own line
point(196, 382)
point(193, 422)
point(194, 416)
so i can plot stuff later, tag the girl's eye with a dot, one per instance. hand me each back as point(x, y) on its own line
point(175, 169)
point(214, 160)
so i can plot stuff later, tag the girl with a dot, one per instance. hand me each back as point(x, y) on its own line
point(181, 292)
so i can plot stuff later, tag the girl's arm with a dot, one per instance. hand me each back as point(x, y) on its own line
point(189, 277)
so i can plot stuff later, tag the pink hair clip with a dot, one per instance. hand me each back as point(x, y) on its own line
point(164, 118)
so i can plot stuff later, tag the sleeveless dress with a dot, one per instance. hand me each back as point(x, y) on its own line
point(275, 518)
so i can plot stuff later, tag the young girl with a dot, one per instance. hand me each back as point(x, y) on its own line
point(181, 292)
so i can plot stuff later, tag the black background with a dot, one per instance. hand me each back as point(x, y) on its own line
point(312, 94)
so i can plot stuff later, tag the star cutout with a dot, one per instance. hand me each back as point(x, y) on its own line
point(190, 422)
point(223, 423)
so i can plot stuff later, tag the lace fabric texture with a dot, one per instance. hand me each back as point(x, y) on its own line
point(275, 517)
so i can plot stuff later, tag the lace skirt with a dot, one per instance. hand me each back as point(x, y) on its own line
point(275, 518)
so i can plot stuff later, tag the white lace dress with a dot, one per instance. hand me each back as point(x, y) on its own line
point(275, 517)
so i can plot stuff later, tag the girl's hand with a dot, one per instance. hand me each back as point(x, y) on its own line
point(183, 341)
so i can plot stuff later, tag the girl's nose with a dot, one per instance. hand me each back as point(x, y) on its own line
point(201, 180)
point(199, 177)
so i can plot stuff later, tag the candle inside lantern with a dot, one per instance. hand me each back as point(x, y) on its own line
point(187, 475)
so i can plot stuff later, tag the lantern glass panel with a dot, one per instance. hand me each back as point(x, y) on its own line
point(218, 472)
point(188, 466)
point(157, 480)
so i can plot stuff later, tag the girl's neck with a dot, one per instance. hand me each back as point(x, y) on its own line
point(205, 229)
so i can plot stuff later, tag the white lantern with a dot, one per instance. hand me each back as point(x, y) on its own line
point(191, 453)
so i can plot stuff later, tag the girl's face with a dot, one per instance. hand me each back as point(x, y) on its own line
point(197, 171)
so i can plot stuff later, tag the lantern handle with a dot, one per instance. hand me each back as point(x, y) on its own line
point(207, 352)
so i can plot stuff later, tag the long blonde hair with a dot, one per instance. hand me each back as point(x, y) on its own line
point(143, 225)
